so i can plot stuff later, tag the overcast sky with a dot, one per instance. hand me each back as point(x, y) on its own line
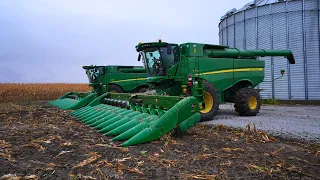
point(50, 40)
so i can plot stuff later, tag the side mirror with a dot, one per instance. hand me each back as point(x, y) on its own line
point(169, 49)
point(139, 57)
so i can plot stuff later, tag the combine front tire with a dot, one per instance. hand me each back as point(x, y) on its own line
point(115, 89)
point(142, 90)
point(211, 102)
point(247, 102)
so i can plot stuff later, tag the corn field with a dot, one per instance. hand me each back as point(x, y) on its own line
point(33, 92)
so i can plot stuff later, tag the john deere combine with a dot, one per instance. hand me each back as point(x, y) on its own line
point(188, 83)
point(115, 79)
point(210, 73)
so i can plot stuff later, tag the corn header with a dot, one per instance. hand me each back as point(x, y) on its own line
point(139, 118)
point(115, 79)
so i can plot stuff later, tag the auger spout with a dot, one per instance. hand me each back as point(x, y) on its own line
point(234, 53)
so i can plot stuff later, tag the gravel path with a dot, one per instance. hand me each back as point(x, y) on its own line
point(298, 122)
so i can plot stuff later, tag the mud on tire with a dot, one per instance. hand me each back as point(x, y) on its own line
point(247, 102)
point(208, 114)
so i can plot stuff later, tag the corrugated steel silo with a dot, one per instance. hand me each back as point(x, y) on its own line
point(280, 24)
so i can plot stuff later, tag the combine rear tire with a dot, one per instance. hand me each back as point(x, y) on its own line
point(115, 89)
point(211, 102)
point(247, 102)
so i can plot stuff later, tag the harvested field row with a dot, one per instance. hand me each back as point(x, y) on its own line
point(33, 92)
point(40, 141)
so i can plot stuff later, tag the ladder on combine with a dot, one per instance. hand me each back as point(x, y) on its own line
point(199, 87)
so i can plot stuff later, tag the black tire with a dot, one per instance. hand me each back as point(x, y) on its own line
point(247, 102)
point(208, 114)
point(142, 90)
point(115, 89)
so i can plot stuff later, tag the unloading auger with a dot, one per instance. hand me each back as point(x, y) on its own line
point(136, 118)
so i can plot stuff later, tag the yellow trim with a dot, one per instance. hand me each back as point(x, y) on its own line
point(232, 70)
point(124, 80)
point(208, 102)
point(253, 103)
point(206, 73)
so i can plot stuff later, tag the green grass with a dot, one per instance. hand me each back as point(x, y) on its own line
point(270, 101)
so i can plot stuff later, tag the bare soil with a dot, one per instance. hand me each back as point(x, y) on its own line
point(38, 141)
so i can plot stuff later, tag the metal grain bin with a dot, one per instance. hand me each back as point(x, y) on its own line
point(280, 24)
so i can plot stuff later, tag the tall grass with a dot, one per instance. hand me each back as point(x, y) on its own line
point(33, 92)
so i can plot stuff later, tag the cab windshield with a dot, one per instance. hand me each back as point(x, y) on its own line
point(157, 60)
point(94, 73)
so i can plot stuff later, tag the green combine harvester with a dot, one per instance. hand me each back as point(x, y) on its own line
point(188, 83)
point(102, 79)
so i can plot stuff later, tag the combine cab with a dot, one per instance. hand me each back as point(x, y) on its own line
point(115, 79)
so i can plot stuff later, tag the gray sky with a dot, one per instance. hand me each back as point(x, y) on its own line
point(50, 41)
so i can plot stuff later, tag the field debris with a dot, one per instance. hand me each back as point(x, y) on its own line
point(63, 152)
point(54, 145)
point(15, 177)
point(93, 157)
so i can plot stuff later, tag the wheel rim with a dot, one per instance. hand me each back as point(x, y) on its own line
point(208, 101)
point(253, 102)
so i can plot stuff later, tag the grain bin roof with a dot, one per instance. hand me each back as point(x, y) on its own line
point(258, 3)
point(251, 4)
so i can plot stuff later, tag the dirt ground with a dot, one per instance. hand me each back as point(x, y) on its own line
point(38, 141)
point(290, 121)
